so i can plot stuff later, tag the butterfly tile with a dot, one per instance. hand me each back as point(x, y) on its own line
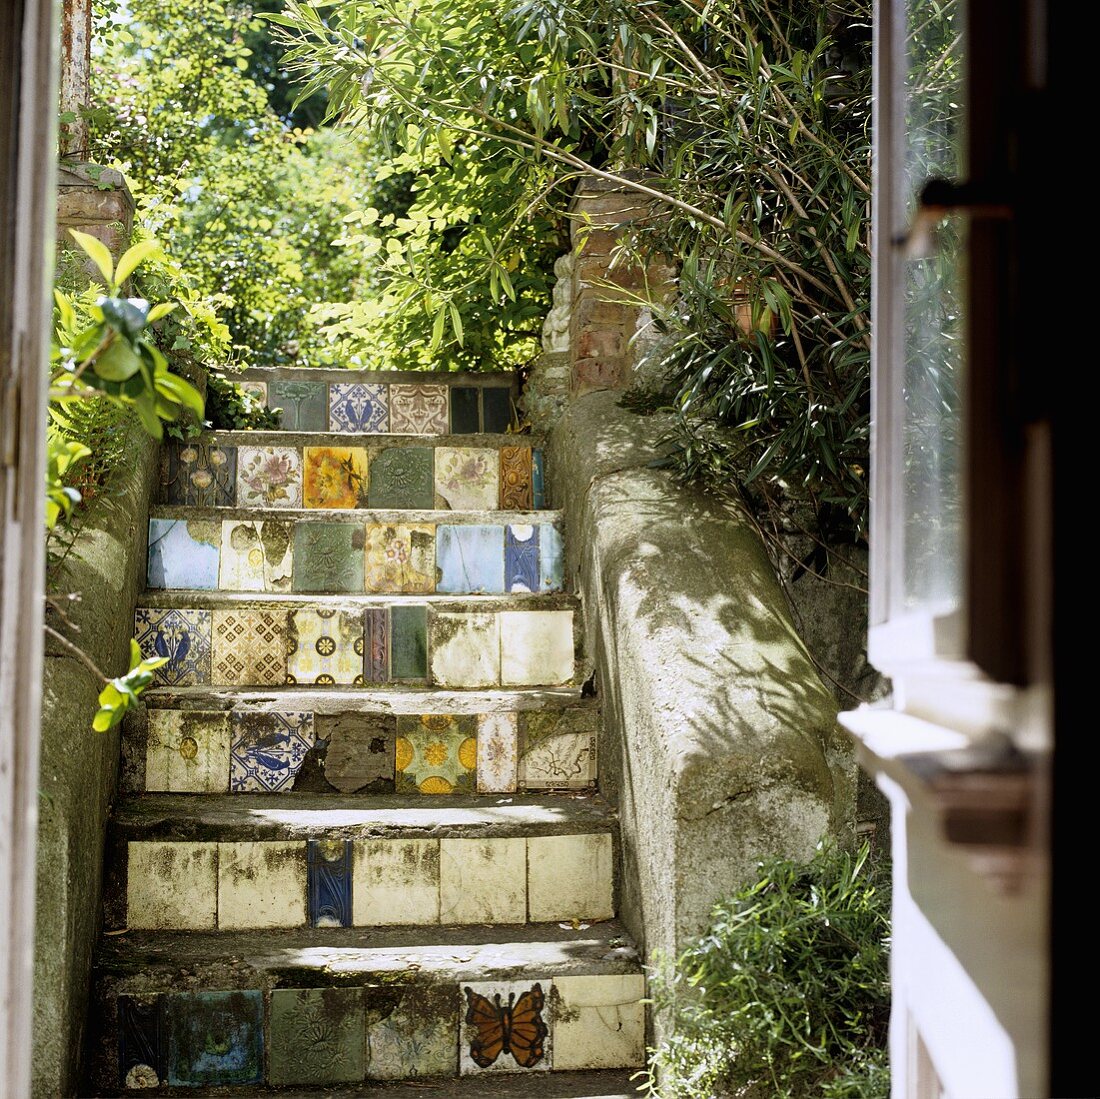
point(515, 478)
point(317, 1036)
point(304, 404)
point(329, 881)
point(525, 1005)
point(395, 882)
point(482, 881)
point(408, 643)
point(183, 554)
point(325, 647)
point(465, 410)
point(376, 636)
point(412, 1031)
point(261, 884)
point(521, 557)
point(358, 407)
point(328, 557)
point(171, 886)
point(470, 558)
point(600, 1021)
point(496, 409)
point(249, 648)
point(255, 556)
point(187, 751)
point(570, 877)
point(183, 636)
point(465, 650)
point(268, 749)
point(401, 478)
point(497, 753)
point(199, 475)
point(400, 558)
point(418, 409)
point(467, 478)
point(142, 1042)
point(360, 752)
point(269, 477)
point(334, 477)
point(538, 480)
point(436, 754)
point(215, 1038)
point(557, 750)
point(536, 647)
point(551, 558)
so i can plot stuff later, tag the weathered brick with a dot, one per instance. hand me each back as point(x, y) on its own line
point(593, 374)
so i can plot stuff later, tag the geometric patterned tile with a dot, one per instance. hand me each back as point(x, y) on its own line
point(249, 648)
point(467, 478)
point(497, 753)
point(601, 1021)
point(181, 635)
point(183, 554)
point(518, 1006)
point(414, 1032)
point(358, 407)
point(334, 477)
point(329, 882)
point(557, 751)
point(255, 556)
point(551, 566)
point(400, 558)
point(304, 405)
point(199, 474)
point(268, 749)
point(261, 884)
point(496, 406)
point(515, 478)
point(215, 1038)
point(418, 409)
point(436, 754)
point(328, 557)
point(269, 477)
point(187, 751)
point(317, 1036)
point(142, 1042)
point(401, 477)
point(470, 558)
point(325, 646)
point(360, 751)
point(521, 558)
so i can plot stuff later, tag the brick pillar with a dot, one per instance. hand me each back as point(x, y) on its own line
point(94, 200)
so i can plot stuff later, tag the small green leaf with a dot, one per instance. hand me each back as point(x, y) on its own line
point(133, 258)
point(97, 251)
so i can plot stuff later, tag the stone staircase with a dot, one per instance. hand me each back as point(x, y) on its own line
point(360, 839)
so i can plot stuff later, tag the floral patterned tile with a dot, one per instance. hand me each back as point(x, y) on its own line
point(467, 478)
point(304, 404)
point(325, 647)
point(412, 1031)
point(183, 554)
point(328, 557)
point(183, 636)
point(497, 753)
point(269, 477)
point(334, 477)
point(317, 1036)
point(418, 409)
point(358, 407)
point(436, 754)
point(249, 648)
point(526, 1044)
point(515, 478)
point(255, 556)
point(401, 477)
point(199, 475)
point(400, 558)
point(268, 750)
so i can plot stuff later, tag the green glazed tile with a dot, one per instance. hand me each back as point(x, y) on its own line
point(304, 404)
point(317, 1036)
point(403, 477)
point(409, 641)
point(328, 557)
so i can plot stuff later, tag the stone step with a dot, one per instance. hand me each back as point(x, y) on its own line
point(292, 470)
point(377, 1006)
point(290, 741)
point(455, 553)
point(219, 862)
point(391, 401)
point(245, 640)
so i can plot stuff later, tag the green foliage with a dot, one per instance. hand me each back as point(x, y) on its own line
point(231, 408)
point(787, 992)
point(123, 691)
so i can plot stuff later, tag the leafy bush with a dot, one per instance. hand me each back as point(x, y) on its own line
point(231, 408)
point(786, 994)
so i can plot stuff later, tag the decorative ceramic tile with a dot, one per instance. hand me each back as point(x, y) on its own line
point(401, 477)
point(400, 558)
point(436, 754)
point(465, 410)
point(360, 751)
point(328, 557)
point(183, 636)
point(515, 478)
point(199, 474)
point(255, 555)
point(408, 643)
point(304, 404)
point(329, 866)
point(557, 750)
point(470, 558)
point(467, 478)
point(482, 881)
point(465, 650)
point(415, 1033)
point(334, 477)
point(358, 407)
point(551, 558)
point(268, 750)
point(376, 629)
point(261, 884)
point(269, 477)
point(504, 1029)
point(538, 480)
point(249, 648)
point(187, 751)
point(183, 554)
point(395, 882)
point(256, 390)
point(600, 1021)
point(570, 877)
point(418, 409)
point(142, 1042)
point(521, 558)
point(325, 646)
point(496, 409)
point(171, 885)
point(317, 1036)
point(536, 647)
point(497, 753)
point(215, 1038)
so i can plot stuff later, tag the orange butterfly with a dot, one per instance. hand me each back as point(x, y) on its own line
point(504, 1028)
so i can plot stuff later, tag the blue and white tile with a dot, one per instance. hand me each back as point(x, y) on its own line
point(268, 749)
point(183, 554)
point(356, 407)
point(183, 636)
point(521, 558)
point(330, 878)
point(469, 559)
